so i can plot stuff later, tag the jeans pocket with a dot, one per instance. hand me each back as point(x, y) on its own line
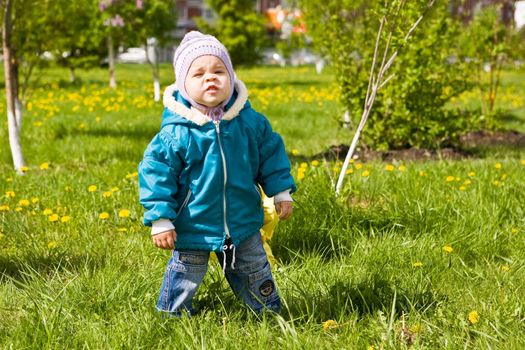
point(263, 292)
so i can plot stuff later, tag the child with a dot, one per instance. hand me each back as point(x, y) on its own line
point(200, 175)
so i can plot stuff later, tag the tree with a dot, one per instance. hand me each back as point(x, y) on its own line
point(238, 27)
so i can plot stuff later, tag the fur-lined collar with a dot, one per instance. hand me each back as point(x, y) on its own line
point(197, 116)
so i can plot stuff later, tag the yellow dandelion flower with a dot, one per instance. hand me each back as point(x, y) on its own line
point(314, 163)
point(114, 189)
point(300, 175)
point(24, 169)
point(467, 182)
point(303, 165)
point(448, 249)
point(358, 166)
point(44, 166)
point(132, 175)
point(4, 207)
point(503, 176)
point(65, 218)
point(472, 174)
point(52, 244)
point(462, 188)
point(349, 171)
point(389, 167)
point(417, 264)
point(295, 152)
point(53, 217)
point(103, 216)
point(67, 188)
point(330, 324)
point(402, 168)
point(107, 194)
point(18, 209)
point(422, 173)
point(505, 268)
point(92, 188)
point(122, 229)
point(473, 317)
point(365, 173)
point(450, 178)
point(523, 162)
point(97, 119)
point(497, 165)
point(10, 194)
point(457, 178)
point(48, 211)
point(496, 183)
point(352, 161)
point(35, 200)
point(123, 213)
point(23, 202)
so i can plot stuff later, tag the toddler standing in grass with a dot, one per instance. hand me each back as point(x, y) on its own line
point(200, 177)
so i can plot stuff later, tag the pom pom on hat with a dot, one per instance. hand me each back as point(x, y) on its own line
point(194, 45)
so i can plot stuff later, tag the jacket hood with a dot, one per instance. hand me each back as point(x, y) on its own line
point(179, 111)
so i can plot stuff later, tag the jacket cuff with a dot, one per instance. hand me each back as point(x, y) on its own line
point(161, 225)
point(283, 196)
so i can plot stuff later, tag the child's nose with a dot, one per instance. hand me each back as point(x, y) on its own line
point(210, 76)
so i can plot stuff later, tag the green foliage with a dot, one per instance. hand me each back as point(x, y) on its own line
point(410, 111)
point(239, 28)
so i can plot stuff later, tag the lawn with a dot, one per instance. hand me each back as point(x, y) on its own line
point(413, 254)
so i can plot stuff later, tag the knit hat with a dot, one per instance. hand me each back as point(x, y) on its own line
point(194, 45)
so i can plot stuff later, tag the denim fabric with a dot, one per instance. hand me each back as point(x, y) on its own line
point(250, 278)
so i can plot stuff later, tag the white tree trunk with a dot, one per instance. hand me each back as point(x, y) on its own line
point(111, 62)
point(156, 89)
point(18, 111)
point(11, 90)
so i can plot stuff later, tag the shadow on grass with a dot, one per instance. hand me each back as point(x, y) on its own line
point(365, 298)
point(30, 266)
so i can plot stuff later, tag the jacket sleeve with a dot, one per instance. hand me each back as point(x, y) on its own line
point(159, 171)
point(274, 168)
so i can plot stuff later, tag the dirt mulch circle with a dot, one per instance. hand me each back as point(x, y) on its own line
point(468, 141)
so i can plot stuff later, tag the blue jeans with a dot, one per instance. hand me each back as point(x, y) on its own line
point(250, 278)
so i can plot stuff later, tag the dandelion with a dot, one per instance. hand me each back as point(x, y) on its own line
point(497, 165)
point(103, 216)
point(402, 168)
point(523, 162)
point(35, 200)
point(48, 211)
point(389, 167)
point(314, 163)
point(473, 317)
point(358, 166)
point(300, 175)
point(330, 324)
point(4, 207)
point(132, 175)
point(467, 182)
point(18, 209)
point(462, 188)
point(92, 188)
point(122, 229)
point(107, 194)
point(349, 171)
point(52, 245)
point(505, 268)
point(114, 189)
point(417, 264)
point(365, 173)
point(23, 203)
point(450, 178)
point(496, 183)
point(295, 152)
point(422, 173)
point(67, 188)
point(65, 218)
point(10, 194)
point(53, 217)
point(123, 213)
point(303, 165)
point(472, 174)
point(44, 166)
point(24, 169)
point(448, 249)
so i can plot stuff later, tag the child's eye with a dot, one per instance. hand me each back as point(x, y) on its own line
point(196, 75)
point(219, 72)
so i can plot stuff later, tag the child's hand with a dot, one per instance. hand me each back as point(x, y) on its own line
point(165, 240)
point(284, 209)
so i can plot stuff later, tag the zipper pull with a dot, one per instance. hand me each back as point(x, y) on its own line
point(217, 128)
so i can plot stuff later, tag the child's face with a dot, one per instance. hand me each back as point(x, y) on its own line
point(208, 82)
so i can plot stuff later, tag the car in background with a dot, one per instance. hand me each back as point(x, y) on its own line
point(132, 55)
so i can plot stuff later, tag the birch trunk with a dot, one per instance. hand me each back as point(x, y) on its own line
point(111, 61)
point(10, 92)
point(152, 59)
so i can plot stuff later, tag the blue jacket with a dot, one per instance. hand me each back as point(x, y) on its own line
point(203, 176)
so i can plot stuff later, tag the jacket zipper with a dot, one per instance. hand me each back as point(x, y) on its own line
point(186, 200)
point(217, 129)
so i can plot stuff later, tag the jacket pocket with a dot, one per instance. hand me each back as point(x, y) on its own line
point(258, 189)
point(186, 200)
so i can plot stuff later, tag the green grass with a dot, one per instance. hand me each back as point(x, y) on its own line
point(371, 260)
